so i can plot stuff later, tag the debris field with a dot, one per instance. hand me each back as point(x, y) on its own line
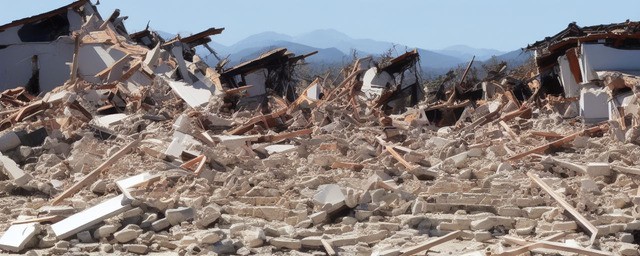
point(129, 143)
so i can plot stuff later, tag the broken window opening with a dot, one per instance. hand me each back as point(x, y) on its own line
point(46, 30)
point(33, 86)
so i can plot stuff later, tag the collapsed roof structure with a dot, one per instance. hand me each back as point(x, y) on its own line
point(593, 67)
point(113, 142)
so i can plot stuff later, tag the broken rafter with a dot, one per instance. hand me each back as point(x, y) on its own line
point(557, 143)
point(429, 244)
point(581, 220)
point(554, 246)
point(255, 120)
point(105, 72)
point(74, 63)
point(196, 37)
point(400, 159)
point(282, 136)
point(328, 247)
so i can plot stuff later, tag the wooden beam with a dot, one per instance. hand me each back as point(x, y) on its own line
point(93, 175)
point(581, 220)
point(327, 247)
point(242, 129)
point(52, 219)
point(427, 245)
point(556, 143)
point(548, 135)
point(111, 19)
point(102, 74)
point(554, 246)
point(520, 241)
point(625, 169)
point(198, 169)
point(516, 113)
point(400, 159)
point(74, 63)
point(509, 131)
point(191, 164)
point(282, 136)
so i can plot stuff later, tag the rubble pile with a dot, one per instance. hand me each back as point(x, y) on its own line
point(129, 143)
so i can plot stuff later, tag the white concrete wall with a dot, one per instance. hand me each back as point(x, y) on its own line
point(571, 88)
point(373, 82)
point(258, 79)
point(88, 56)
point(15, 67)
point(621, 100)
point(597, 57)
point(593, 104)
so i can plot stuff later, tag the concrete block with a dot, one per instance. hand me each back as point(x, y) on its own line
point(130, 232)
point(105, 231)
point(598, 169)
point(178, 215)
point(311, 241)
point(85, 237)
point(344, 241)
point(17, 236)
point(160, 224)
point(594, 104)
point(564, 226)
point(329, 194)
point(374, 237)
point(207, 215)
point(628, 249)
point(136, 248)
point(490, 222)
point(14, 171)
point(318, 217)
point(281, 242)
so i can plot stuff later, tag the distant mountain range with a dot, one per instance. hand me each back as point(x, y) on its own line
point(336, 48)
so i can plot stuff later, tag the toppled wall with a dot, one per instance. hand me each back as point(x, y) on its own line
point(37, 49)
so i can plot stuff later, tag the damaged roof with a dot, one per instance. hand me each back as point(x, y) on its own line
point(625, 34)
point(45, 15)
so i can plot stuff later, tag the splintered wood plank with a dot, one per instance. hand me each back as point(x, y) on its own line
point(554, 246)
point(431, 243)
point(200, 166)
point(509, 131)
point(400, 159)
point(555, 143)
point(52, 219)
point(193, 163)
point(327, 247)
point(548, 135)
point(582, 221)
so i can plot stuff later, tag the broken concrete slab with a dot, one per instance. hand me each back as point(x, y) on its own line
point(14, 171)
point(192, 95)
point(17, 236)
point(274, 149)
point(93, 215)
point(329, 194)
point(89, 217)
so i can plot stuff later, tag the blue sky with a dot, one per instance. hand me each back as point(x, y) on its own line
point(497, 24)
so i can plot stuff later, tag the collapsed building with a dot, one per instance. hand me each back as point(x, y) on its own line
point(395, 85)
point(273, 71)
point(138, 146)
point(594, 68)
